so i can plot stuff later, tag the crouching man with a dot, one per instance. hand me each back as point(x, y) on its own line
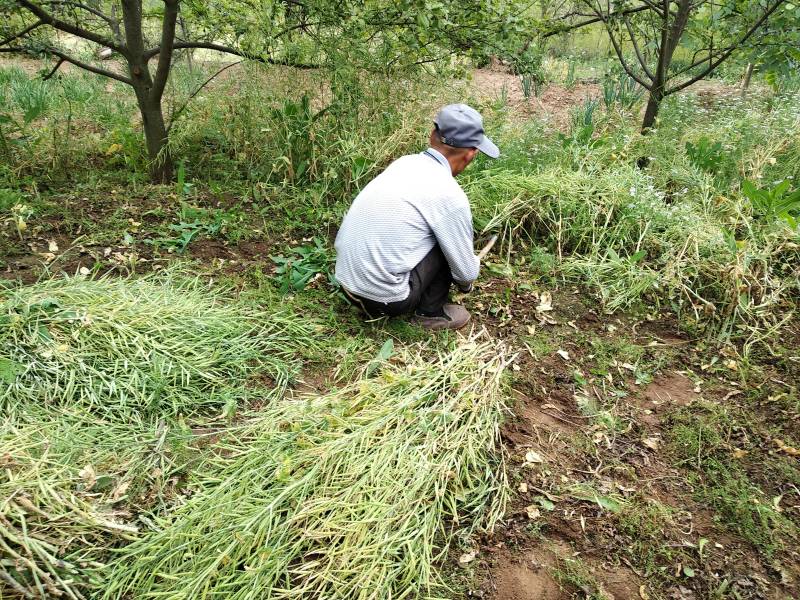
point(408, 234)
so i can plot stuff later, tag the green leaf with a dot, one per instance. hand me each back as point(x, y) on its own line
point(383, 355)
point(9, 370)
point(386, 350)
point(545, 503)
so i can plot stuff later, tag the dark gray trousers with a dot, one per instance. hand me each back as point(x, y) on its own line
point(429, 285)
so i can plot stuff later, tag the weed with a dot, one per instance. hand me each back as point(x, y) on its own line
point(700, 441)
point(153, 346)
point(774, 203)
point(621, 90)
point(367, 480)
point(705, 154)
point(302, 264)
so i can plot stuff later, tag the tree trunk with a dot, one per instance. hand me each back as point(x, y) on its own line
point(748, 74)
point(651, 112)
point(155, 134)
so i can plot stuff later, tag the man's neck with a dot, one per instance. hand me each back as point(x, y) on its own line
point(440, 158)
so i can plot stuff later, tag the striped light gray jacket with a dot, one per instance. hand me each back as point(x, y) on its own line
point(396, 220)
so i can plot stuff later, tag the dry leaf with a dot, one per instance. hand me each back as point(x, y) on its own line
point(643, 593)
point(545, 302)
point(739, 453)
point(531, 456)
point(88, 475)
point(52, 246)
point(84, 271)
point(563, 354)
point(523, 487)
point(651, 442)
point(533, 512)
point(120, 490)
point(467, 557)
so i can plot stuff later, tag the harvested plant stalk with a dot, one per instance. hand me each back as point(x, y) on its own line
point(611, 229)
point(354, 494)
point(158, 345)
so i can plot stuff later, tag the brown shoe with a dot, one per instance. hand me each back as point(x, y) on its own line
point(455, 317)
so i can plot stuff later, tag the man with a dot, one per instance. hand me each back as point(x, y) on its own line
point(408, 234)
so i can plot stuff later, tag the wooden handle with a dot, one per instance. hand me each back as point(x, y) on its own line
point(485, 250)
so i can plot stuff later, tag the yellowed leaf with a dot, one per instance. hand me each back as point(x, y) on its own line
point(467, 557)
point(531, 456)
point(651, 442)
point(545, 302)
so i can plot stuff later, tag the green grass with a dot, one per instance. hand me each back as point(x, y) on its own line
point(701, 442)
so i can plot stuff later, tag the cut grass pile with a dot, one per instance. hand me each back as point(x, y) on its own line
point(159, 345)
point(353, 494)
point(70, 488)
point(101, 383)
point(614, 231)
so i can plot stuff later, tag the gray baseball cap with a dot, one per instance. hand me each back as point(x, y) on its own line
point(461, 126)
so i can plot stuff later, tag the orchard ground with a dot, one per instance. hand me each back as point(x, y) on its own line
point(649, 456)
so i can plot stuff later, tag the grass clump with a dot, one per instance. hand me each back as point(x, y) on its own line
point(356, 493)
point(159, 345)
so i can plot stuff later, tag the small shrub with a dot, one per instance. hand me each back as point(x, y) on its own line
point(705, 154)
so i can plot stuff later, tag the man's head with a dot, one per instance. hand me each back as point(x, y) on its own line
point(458, 134)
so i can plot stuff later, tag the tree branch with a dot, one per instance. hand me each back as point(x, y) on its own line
point(639, 56)
point(705, 72)
point(227, 50)
point(88, 67)
point(171, 8)
point(25, 31)
point(49, 19)
point(69, 59)
point(53, 70)
point(85, 7)
point(596, 19)
point(618, 50)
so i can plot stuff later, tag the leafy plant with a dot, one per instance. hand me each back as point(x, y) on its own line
point(582, 128)
point(32, 97)
point(294, 121)
point(570, 79)
point(193, 222)
point(301, 264)
point(705, 154)
point(621, 90)
point(775, 203)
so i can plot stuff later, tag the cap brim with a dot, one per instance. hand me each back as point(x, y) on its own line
point(488, 147)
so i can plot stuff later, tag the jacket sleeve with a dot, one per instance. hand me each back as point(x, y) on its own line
point(454, 234)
